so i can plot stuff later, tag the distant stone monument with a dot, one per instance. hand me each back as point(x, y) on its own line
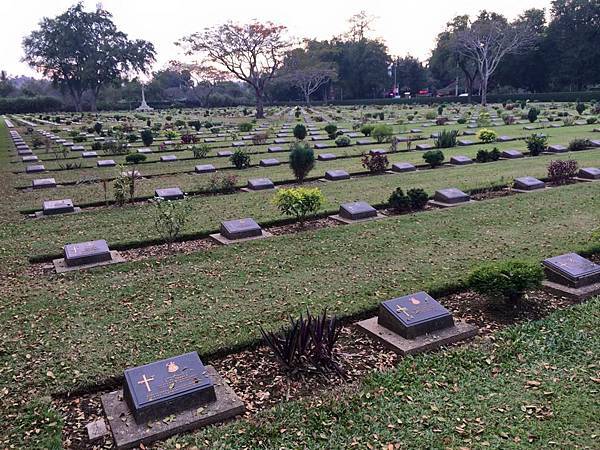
point(144, 106)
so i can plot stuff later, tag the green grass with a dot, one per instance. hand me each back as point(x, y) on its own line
point(476, 397)
point(129, 225)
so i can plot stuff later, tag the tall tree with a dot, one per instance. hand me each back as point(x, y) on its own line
point(488, 40)
point(252, 52)
point(81, 50)
point(307, 71)
point(203, 79)
point(411, 74)
point(6, 87)
point(572, 45)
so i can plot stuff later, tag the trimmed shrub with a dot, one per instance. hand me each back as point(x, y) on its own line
point(446, 139)
point(299, 202)
point(506, 281)
point(222, 183)
point(147, 137)
point(135, 158)
point(97, 146)
point(300, 132)
point(200, 151)
point(382, 132)
point(302, 160)
point(342, 141)
point(580, 108)
point(240, 159)
point(562, 170)
point(536, 144)
point(579, 144)
point(331, 130)
point(434, 158)
point(367, 129)
point(591, 120)
point(170, 219)
point(98, 127)
point(245, 127)
point(399, 201)
point(533, 114)
point(430, 115)
point(376, 163)
point(418, 198)
point(487, 136)
point(484, 156)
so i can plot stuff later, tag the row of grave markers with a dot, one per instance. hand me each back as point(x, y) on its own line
point(193, 395)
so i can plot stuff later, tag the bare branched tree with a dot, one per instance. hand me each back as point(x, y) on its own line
point(307, 72)
point(252, 52)
point(486, 42)
point(204, 78)
point(360, 23)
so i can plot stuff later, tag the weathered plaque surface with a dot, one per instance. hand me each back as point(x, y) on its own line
point(30, 158)
point(275, 149)
point(89, 154)
point(414, 315)
point(86, 253)
point(326, 157)
point(557, 148)
point(424, 147)
point(357, 211)
point(106, 163)
point(43, 183)
point(511, 154)
point(505, 138)
point(240, 229)
point(51, 207)
point(460, 160)
point(168, 158)
point(403, 167)
point(34, 168)
point(171, 193)
point(205, 168)
point(377, 151)
point(337, 174)
point(589, 173)
point(572, 270)
point(269, 162)
point(464, 142)
point(528, 184)
point(451, 196)
point(224, 153)
point(165, 387)
point(260, 184)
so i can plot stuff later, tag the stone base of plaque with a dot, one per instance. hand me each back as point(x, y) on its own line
point(585, 179)
point(459, 332)
point(577, 294)
point(449, 205)
point(341, 219)
point(61, 267)
point(527, 191)
point(127, 433)
point(225, 241)
point(41, 215)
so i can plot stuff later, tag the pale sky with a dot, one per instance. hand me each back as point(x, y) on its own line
point(408, 27)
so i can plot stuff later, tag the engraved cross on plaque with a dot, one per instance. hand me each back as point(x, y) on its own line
point(146, 381)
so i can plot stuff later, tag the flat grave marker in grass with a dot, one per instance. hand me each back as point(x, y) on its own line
point(356, 212)
point(424, 147)
point(181, 388)
point(43, 183)
point(89, 154)
point(29, 158)
point(106, 163)
point(460, 160)
point(52, 207)
point(168, 158)
point(84, 255)
point(589, 173)
point(505, 138)
point(450, 197)
point(415, 323)
point(269, 162)
point(527, 184)
point(556, 148)
point(572, 276)
point(260, 184)
point(403, 167)
point(170, 193)
point(326, 157)
point(239, 230)
point(336, 175)
point(224, 153)
point(511, 154)
point(205, 168)
point(35, 168)
point(275, 149)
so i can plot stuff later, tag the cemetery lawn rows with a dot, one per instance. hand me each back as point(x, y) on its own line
point(533, 386)
point(134, 225)
point(80, 329)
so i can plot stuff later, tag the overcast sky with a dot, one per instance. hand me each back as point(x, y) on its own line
point(408, 27)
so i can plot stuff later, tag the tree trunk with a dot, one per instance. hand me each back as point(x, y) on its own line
point(94, 102)
point(484, 85)
point(307, 98)
point(260, 105)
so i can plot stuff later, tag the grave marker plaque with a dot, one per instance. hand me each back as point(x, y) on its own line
point(451, 196)
point(89, 154)
point(259, 184)
point(35, 168)
point(414, 315)
point(106, 163)
point(403, 167)
point(269, 162)
point(357, 211)
point(424, 147)
point(589, 173)
point(572, 270)
point(51, 207)
point(528, 184)
point(205, 168)
point(86, 253)
point(335, 175)
point(326, 157)
point(168, 158)
point(275, 149)
point(460, 160)
point(171, 193)
point(557, 148)
point(43, 183)
point(166, 387)
point(240, 229)
point(224, 153)
point(511, 154)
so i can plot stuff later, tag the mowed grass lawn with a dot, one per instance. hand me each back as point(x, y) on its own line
point(533, 386)
point(134, 225)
